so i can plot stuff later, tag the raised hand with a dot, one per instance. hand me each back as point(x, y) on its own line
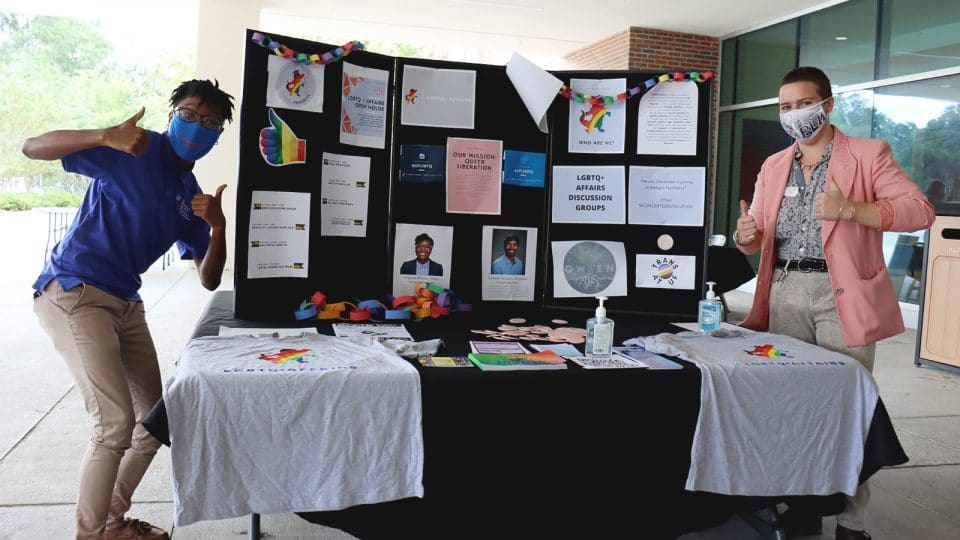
point(830, 204)
point(208, 207)
point(746, 225)
point(279, 145)
point(127, 136)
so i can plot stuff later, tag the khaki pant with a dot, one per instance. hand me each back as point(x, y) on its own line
point(108, 349)
point(802, 306)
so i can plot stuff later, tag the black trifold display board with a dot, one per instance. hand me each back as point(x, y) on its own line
point(350, 268)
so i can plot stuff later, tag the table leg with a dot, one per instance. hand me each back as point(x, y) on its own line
point(254, 532)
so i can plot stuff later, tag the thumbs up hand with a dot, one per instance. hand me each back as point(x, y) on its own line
point(127, 136)
point(830, 204)
point(746, 226)
point(209, 208)
point(279, 145)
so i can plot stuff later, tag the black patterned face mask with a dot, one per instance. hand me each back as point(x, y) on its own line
point(804, 124)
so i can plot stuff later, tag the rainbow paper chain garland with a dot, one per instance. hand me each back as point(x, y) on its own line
point(328, 57)
point(677, 76)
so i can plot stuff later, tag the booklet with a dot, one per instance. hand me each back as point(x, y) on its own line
point(497, 347)
point(613, 361)
point(504, 362)
point(444, 361)
point(653, 361)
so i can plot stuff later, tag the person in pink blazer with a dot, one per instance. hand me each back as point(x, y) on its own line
point(819, 210)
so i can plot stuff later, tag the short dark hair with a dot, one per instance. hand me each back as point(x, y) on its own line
point(809, 74)
point(421, 237)
point(511, 238)
point(207, 92)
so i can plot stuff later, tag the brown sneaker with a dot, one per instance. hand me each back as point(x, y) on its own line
point(134, 529)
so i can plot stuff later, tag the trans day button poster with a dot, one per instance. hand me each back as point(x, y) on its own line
point(279, 234)
point(438, 97)
point(344, 192)
point(291, 85)
point(667, 196)
point(588, 194)
point(589, 268)
point(597, 129)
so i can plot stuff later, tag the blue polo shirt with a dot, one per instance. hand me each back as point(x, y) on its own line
point(134, 209)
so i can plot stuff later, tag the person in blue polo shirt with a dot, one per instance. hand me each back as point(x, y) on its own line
point(508, 263)
point(143, 197)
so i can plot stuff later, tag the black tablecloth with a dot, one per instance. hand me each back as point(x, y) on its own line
point(569, 453)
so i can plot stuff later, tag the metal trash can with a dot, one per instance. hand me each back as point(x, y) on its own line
point(938, 335)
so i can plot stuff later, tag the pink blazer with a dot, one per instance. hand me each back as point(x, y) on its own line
point(864, 170)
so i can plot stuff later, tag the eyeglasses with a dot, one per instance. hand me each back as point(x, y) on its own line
point(191, 116)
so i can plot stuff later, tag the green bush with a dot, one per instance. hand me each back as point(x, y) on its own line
point(25, 201)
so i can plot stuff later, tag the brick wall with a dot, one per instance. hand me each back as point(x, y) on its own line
point(611, 52)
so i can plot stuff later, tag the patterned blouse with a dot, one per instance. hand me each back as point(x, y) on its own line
point(799, 233)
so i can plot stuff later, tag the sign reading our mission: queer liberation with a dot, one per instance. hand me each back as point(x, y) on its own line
point(588, 194)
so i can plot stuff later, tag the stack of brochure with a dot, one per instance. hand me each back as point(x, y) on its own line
point(503, 362)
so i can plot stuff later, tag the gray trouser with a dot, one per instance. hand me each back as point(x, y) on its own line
point(802, 306)
point(108, 349)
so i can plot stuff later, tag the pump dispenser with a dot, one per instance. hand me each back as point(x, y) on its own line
point(599, 332)
point(709, 312)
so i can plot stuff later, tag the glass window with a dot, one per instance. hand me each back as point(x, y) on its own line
point(853, 113)
point(841, 41)
point(728, 70)
point(919, 35)
point(764, 57)
point(919, 121)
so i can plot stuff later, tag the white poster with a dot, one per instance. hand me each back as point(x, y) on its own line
point(438, 97)
point(667, 123)
point(291, 85)
point(597, 128)
point(589, 194)
point(279, 234)
point(363, 106)
point(659, 271)
point(536, 87)
point(589, 268)
point(509, 258)
point(421, 254)
point(667, 196)
point(344, 195)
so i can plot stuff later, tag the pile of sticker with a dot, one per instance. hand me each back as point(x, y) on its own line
point(328, 57)
point(430, 300)
point(537, 332)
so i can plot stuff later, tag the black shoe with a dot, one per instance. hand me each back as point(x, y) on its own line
point(844, 533)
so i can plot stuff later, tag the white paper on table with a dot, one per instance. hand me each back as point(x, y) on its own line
point(536, 87)
point(695, 327)
point(597, 129)
point(588, 194)
point(265, 332)
point(376, 331)
point(660, 271)
point(344, 195)
point(516, 287)
point(438, 97)
point(613, 361)
point(291, 85)
point(279, 234)
point(666, 196)
point(589, 268)
point(667, 119)
point(363, 106)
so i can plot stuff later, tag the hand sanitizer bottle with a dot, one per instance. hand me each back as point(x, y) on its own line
point(599, 332)
point(710, 311)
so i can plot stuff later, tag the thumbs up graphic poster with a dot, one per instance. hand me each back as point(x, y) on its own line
point(279, 145)
point(291, 85)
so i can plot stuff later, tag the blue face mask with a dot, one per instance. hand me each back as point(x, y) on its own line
point(191, 140)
